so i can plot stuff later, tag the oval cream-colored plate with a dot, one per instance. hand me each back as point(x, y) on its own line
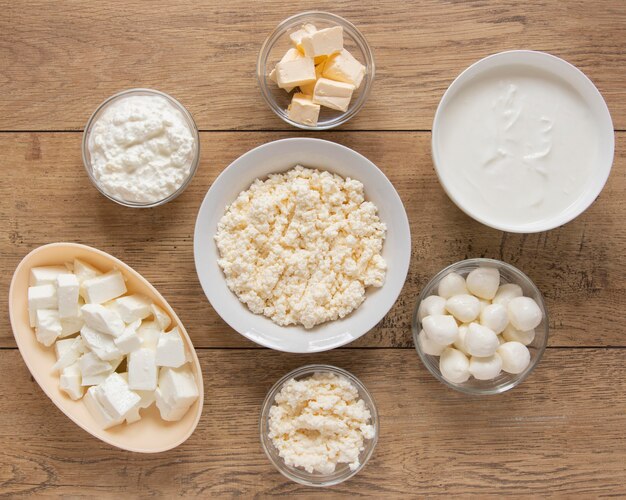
point(151, 434)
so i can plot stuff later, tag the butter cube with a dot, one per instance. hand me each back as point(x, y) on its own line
point(323, 42)
point(67, 295)
point(332, 94)
point(102, 319)
point(103, 288)
point(129, 340)
point(46, 275)
point(310, 87)
point(48, 326)
point(142, 370)
point(68, 351)
point(296, 36)
point(178, 386)
point(170, 349)
point(303, 110)
point(132, 307)
point(70, 381)
point(100, 343)
point(343, 67)
point(71, 325)
point(295, 73)
point(40, 297)
point(160, 317)
point(102, 417)
point(149, 333)
point(116, 397)
point(290, 55)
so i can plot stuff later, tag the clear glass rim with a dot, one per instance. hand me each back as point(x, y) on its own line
point(486, 391)
point(301, 476)
point(192, 127)
point(359, 40)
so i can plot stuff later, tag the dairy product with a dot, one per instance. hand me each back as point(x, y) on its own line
point(332, 94)
point(291, 73)
point(343, 67)
point(516, 145)
point(141, 148)
point(301, 247)
point(322, 42)
point(303, 110)
point(319, 422)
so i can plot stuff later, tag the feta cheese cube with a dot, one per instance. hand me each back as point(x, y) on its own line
point(90, 364)
point(302, 110)
point(68, 351)
point(132, 307)
point(170, 349)
point(322, 42)
point(84, 271)
point(295, 73)
point(178, 386)
point(343, 67)
point(40, 297)
point(129, 340)
point(149, 333)
point(116, 397)
point(160, 317)
point(71, 325)
point(98, 378)
point(67, 295)
point(147, 399)
point(142, 370)
point(100, 343)
point(48, 326)
point(70, 381)
point(332, 94)
point(103, 418)
point(46, 275)
point(103, 288)
point(103, 319)
point(167, 411)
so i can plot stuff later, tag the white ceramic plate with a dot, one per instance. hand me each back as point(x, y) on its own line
point(280, 156)
point(550, 68)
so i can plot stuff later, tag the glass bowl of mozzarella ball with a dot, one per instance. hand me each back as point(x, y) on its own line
point(480, 326)
point(319, 425)
point(315, 70)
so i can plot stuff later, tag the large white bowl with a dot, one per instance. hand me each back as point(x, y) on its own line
point(280, 156)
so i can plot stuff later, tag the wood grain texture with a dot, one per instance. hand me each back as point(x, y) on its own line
point(580, 267)
point(543, 438)
point(59, 59)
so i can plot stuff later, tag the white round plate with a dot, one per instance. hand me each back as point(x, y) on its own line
point(280, 156)
point(551, 68)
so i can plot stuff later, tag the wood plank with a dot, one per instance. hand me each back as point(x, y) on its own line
point(580, 267)
point(59, 60)
point(557, 434)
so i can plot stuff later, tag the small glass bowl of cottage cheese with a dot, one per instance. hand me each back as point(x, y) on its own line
point(325, 423)
point(141, 148)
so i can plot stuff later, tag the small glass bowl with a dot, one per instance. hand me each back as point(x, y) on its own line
point(98, 113)
point(504, 381)
point(342, 471)
point(278, 42)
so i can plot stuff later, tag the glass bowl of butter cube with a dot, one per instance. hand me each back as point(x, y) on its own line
point(315, 70)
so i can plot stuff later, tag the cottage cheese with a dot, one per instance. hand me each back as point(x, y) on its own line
point(301, 247)
point(319, 422)
point(141, 149)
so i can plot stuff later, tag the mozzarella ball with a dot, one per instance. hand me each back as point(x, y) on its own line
point(483, 303)
point(430, 306)
point(451, 284)
point(485, 368)
point(515, 357)
point(428, 346)
point(507, 292)
point(441, 328)
point(524, 313)
point(512, 334)
point(454, 365)
point(480, 340)
point(464, 307)
point(460, 342)
point(494, 316)
point(484, 282)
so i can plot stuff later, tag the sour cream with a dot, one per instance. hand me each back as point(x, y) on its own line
point(515, 146)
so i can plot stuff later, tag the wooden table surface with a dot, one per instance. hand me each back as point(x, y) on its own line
point(561, 433)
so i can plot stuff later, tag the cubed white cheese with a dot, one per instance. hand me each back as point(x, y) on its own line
point(67, 295)
point(103, 288)
point(160, 317)
point(90, 364)
point(103, 418)
point(343, 67)
point(171, 349)
point(98, 378)
point(40, 297)
point(100, 343)
point(68, 351)
point(293, 73)
point(149, 333)
point(147, 399)
point(142, 370)
point(103, 319)
point(302, 110)
point(132, 307)
point(167, 411)
point(178, 386)
point(70, 381)
point(129, 340)
point(48, 326)
point(84, 271)
point(116, 397)
point(46, 275)
point(322, 42)
point(71, 325)
point(332, 94)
